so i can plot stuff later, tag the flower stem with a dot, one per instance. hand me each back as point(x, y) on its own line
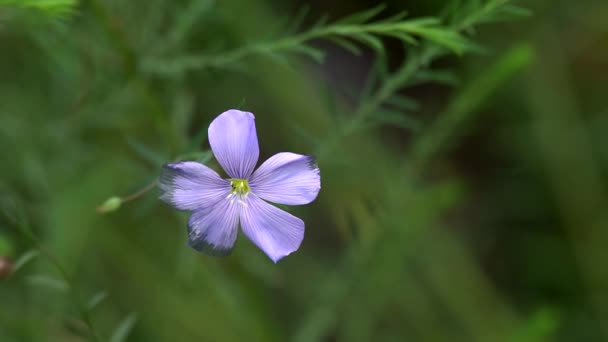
point(140, 192)
point(26, 230)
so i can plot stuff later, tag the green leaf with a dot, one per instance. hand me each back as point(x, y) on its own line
point(25, 259)
point(304, 134)
point(346, 44)
point(370, 41)
point(48, 282)
point(403, 103)
point(96, 299)
point(314, 53)
point(450, 39)
point(201, 135)
point(77, 327)
point(124, 328)
point(321, 21)
point(397, 119)
point(277, 57)
point(446, 77)
point(202, 157)
point(510, 12)
point(145, 152)
point(420, 22)
point(396, 18)
point(297, 20)
point(185, 18)
point(362, 17)
point(402, 36)
point(59, 8)
point(376, 74)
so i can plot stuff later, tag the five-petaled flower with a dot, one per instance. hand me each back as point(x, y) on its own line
point(218, 205)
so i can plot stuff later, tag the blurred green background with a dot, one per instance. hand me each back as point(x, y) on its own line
point(479, 215)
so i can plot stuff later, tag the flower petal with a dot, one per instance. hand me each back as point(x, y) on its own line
point(273, 230)
point(234, 142)
point(287, 178)
point(190, 185)
point(213, 229)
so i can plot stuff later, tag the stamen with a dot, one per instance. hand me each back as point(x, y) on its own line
point(240, 191)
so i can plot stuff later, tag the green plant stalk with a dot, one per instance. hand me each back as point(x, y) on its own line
point(84, 313)
point(415, 27)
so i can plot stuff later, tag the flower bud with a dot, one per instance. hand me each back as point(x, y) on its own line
point(111, 204)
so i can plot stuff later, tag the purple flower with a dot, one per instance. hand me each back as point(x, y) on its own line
point(219, 205)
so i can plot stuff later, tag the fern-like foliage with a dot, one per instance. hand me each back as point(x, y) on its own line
point(352, 33)
point(53, 8)
point(380, 102)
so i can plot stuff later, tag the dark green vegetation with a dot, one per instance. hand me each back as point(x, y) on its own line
point(463, 150)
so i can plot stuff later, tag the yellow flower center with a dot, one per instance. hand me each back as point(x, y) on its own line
point(240, 190)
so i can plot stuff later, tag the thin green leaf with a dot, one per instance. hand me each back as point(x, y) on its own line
point(186, 18)
point(377, 72)
point(204, 157)
point(506, 13)
point(48, 282)
point(323, 19)
point(77, 327)
point(396, 119)
point(278, 57)
point(516, 11)
point(25, 259)
point(450, 39)
point(329, 97)
point(446, 77)
point(314, 53)
point(403, 103)
point(370, 41)
point(420, 22)
point(200, 156)
point(310, 139)
point(396, 18)
point(346, 44)
point(59, 8)
point(124, 328)
point(198, 139)
point(145, 152)
point(96, 300)
point(297, 20)
point(362, 17)
point(402, 36)
point(450, 11)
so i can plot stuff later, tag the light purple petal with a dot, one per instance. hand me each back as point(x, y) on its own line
point(273, 230)
point(287, 178)
point(234, 142)
point(213, 230)
point(190, 185)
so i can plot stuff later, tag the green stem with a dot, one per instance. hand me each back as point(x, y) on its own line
point(84, 313)
point(139, 192)
point(413, 27)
